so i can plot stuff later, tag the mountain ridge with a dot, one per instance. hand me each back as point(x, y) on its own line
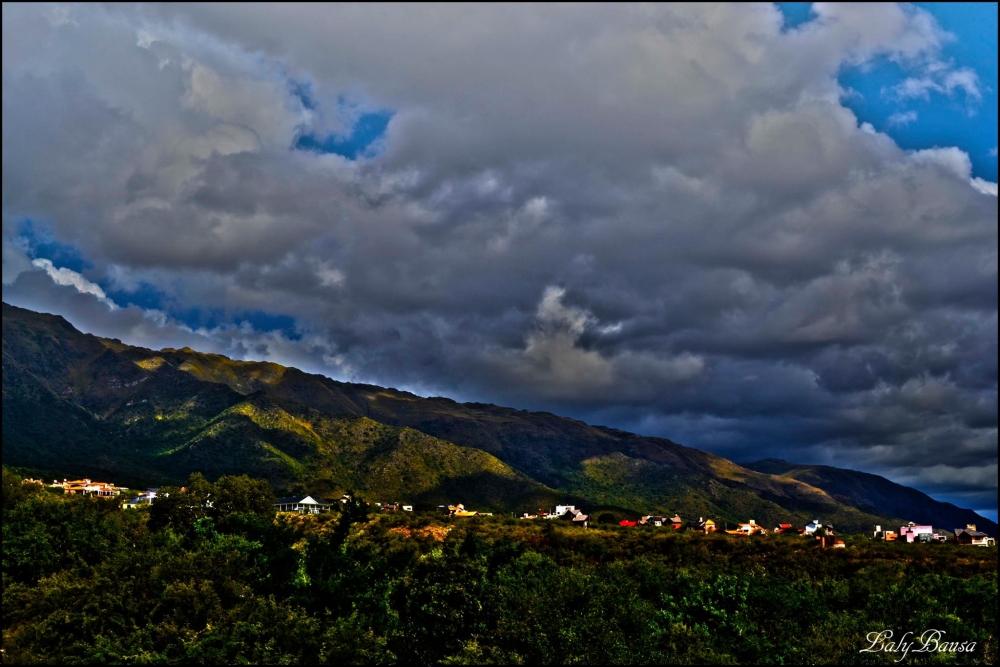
point(162, 413)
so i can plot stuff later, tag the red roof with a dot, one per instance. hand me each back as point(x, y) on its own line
point(626, 522)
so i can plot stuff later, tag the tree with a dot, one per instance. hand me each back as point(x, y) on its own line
point(242, 495)
point(182, 507)
point(14, 491)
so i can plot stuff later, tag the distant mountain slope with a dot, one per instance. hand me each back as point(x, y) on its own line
point(78, 404)
point(873, 494)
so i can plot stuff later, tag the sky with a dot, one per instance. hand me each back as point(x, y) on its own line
point(759, 230)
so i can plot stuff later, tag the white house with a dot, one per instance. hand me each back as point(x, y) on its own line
point(813, 527)
point(302, 504)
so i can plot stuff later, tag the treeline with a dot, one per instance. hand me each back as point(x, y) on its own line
point(211, 576)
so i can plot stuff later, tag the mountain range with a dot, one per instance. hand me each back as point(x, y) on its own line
point(78, 405)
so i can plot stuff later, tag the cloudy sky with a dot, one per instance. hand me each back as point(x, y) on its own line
point(757, 230)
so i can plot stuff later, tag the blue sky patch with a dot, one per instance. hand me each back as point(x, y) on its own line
point(368, 129)
point(940, 119)
point(146, 296)
point(40, 242)
point(795, 13)
point(260, 320)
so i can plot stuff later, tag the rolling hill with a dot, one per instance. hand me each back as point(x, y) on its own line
point(76, 404)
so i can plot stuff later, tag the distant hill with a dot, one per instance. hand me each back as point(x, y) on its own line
point(76, 404)
point(874, 494)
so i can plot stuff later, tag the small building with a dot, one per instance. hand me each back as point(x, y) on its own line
point(707, 525)
point(783, 528)
point(456, 510)
point(675, 522)
point(839, 544)
point(625, 523)
point(576, 517)
point(395, 507)
point(811, 528)
point(969, 535)
point(302, 505)
point(144, 498)
point(652, 521)
point(747, 529)
point(911, 532)
point(890, 536)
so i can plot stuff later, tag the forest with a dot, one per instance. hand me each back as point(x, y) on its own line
point(212, 575)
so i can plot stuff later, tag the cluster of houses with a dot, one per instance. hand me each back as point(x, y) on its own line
point(911, 533)
point(574, 516)
point(565, 512)
point(306, 504)
point(393, 507)
point(81, 487)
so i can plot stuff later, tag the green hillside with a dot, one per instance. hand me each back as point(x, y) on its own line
point(75, 404)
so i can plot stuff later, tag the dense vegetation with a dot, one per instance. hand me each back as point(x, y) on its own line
point(211, 575)
point(76, 405)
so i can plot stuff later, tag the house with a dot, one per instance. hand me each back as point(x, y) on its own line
point(652, 521)
point(302, 505)
point(811, 528)
point(144, 498)
point(29, 480)
point(747, 529)
point(395, 507)
point(625, 523)
point(783, 528)
point(675, 522)
point(839, 544)
point(456, 510)
point(890, 536)
point(576, 517)
point(135, 503)
point(876, 531)
point(701, 525)
point(912, 531)
point(969, 535)
point(567, 512)
point(86, 487)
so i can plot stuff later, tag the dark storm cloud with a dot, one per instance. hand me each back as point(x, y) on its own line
point(659, 217)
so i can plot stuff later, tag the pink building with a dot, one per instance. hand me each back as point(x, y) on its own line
point(911, 532)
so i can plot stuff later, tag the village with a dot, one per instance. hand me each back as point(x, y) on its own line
point(911, 533)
